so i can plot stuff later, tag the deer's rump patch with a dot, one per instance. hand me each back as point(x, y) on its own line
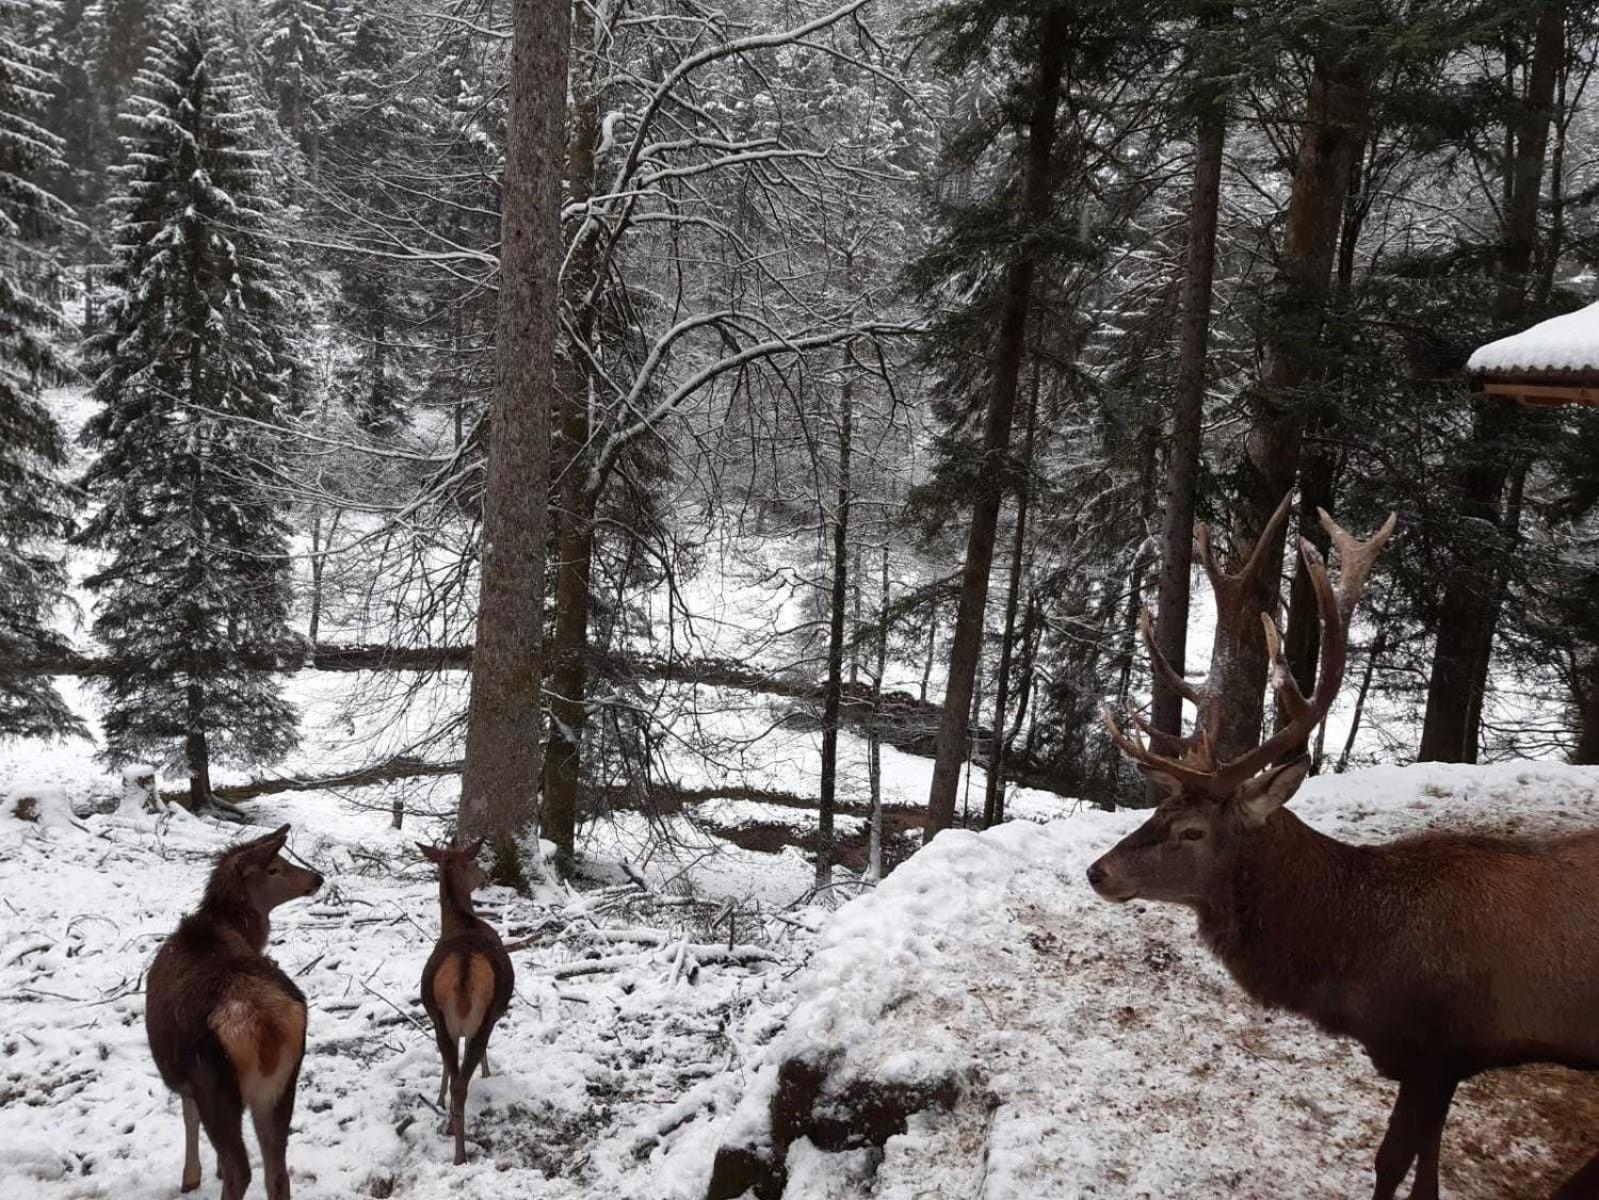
point(463, 989)
point(262, 1030)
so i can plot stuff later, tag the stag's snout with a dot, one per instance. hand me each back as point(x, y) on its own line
point(315, 883)
point(1103, 879)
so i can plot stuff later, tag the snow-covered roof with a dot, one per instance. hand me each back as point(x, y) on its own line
point(1568, 343)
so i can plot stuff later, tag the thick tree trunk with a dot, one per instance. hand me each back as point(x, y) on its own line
point(196, 753)
point(1587, 753)
point(1177, 534)
point(833, 692)
point(566, 691)
point(1008, 349)
point(994, 792)
point(1469, 610)
point(1336, 117)
point(499, 784)
point(574, 509)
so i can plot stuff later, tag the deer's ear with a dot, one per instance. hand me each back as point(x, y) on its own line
point(1170, 787)
point(263, 848)
point(475, 848)
point(1269, 791)
point(428, 852)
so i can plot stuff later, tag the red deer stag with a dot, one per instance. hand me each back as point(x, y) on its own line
point(1444, 955)
point(467, 982)
point(226, 1026)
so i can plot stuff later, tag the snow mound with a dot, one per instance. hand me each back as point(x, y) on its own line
point(1564, 343)
point(1044, 1044)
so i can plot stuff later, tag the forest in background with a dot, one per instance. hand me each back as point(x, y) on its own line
point(852, 296)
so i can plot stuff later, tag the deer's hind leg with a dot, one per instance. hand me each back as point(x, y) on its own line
point(272, 1122)
point(449, 1057)
point(1584, 1185)
point(191, 1144)
point(221, 1110)
point(477, 1048)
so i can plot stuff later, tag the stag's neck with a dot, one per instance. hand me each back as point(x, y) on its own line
point(1295, 925)
point(456, 914)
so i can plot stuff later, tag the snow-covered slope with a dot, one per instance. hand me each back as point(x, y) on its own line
point(1098, 1051)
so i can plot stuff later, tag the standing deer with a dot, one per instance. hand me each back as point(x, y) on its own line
point(1444, 955)
point(226, 1026)
point(467, 982)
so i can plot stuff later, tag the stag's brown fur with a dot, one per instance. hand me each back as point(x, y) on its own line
point(1440, 954)
point(226, 1027)
point(466, 983)
point(1444, 955)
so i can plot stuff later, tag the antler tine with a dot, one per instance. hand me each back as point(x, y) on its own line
point(1167, 745)
point(1287, 687)
point(1146, 758)
point(1355, 558)
point(1161, 666)
point(1334, 608)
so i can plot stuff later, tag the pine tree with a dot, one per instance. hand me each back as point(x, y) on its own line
point(294, 64)
point(33, 505)
point(197, 583)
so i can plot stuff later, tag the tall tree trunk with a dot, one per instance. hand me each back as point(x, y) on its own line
point(1587, 752)
point(874, 737)
point(500, 779)
point(1482, 645)
point(951, 746)
point(1177, 534)
point(994, 792)
point(1336, 116)
point(1378, 645)
point(575, 508)
point(1148, 454)
point(1469, 610)
point(833, 693)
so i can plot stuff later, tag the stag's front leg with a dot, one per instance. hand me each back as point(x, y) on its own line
point(1432, 1120)
point(1414, 1128)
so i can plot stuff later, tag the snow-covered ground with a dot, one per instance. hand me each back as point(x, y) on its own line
point(1090, 1050)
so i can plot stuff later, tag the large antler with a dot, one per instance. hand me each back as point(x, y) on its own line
point(1191, 760)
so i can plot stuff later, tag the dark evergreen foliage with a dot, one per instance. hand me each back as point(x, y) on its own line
point(34, 510)
point(193, 358)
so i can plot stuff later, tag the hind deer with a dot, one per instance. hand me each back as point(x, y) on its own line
point(467, 982)
point(226, 1026)
point(1444, 955)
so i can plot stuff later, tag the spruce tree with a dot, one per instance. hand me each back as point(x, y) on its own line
point(34, 513)
point(196, 584)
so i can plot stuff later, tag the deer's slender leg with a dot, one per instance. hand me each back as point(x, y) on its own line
point(476, 1047)
point(448, 1054)
point(1430, 1122)
point(1584, 1185)
point(191, 1144)
point(222, 1115)
point(486, 1071)
point(1416, 1122)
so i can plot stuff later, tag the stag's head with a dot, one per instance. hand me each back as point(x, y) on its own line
point(1210, 808)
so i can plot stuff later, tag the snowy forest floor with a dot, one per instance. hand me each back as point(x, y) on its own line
point(1092, 1050)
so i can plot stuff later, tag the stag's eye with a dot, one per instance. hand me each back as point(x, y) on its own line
point(1191, 834)
point(274, 869)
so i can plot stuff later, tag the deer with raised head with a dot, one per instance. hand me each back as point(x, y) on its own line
point(226, 1026)
point(1444, 955)
point(467, 982)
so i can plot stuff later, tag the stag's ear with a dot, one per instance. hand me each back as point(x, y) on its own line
point(475, 848)
point(1269, 791)
point(1170, 787)
point(429, 852)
